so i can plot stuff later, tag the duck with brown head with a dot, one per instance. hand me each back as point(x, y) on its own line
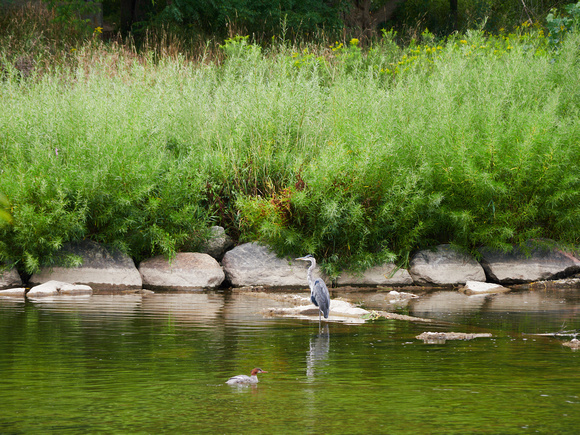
point(244, 379)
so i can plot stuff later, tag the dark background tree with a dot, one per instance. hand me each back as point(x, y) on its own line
point(306, 18)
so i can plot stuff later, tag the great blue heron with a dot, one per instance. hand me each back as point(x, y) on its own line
point(318, 291)
point(245, 379)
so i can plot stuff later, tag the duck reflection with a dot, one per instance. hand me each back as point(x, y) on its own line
point(318, 353)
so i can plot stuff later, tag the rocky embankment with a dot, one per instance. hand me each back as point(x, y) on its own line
point(254, 265)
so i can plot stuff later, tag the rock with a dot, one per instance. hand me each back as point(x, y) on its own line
point(387, 274)
point(75, 289)
point(101, 268)
point(49, 288)
point(187, 271)
point(572, 344)
point(13, 292)
point(442, 337)
point(9, 278)
point(252, 264)
point(445, 265)
point(479, 288)
point(218, 243)
point(541, 263)
point(54, 288)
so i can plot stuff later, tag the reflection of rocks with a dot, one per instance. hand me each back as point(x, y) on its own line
point(526, 301)
point(9, 278)
point(387, 274)
point(101, 268)
point(382, 300)
point(445, 265)
point(446, 302)
point(256, 265)
point(183, 306)
point(187, 271)
point(479, 288)
point(442, 337)
point(538, 263)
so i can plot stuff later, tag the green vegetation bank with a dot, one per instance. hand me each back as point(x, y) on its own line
point(354, 155)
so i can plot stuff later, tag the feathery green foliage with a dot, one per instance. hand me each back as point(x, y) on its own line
point(356, 156)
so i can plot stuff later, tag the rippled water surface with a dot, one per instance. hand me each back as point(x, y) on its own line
point(158, 363)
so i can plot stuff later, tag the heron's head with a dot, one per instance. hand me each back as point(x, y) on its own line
point(307, 258)
point(258, 370)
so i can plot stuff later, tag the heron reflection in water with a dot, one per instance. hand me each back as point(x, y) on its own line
point(318, 291)
point(318, 352)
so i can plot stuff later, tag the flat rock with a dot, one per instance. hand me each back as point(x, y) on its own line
point(218, 243)
point(445, 265)
point(572, 344)
point(101, 269)
point(386, 274)
point(442, 337)
point(187, 271)
point(252, 264)
point(539, 263)
point(479, 288)
point(55, 288)
point(13, 292)
point(9, 278)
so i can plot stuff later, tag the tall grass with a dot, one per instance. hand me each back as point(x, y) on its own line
point(354, 156)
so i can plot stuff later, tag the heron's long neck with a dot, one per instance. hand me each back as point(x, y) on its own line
point(310, 269)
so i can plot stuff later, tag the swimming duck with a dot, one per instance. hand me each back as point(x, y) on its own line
point(244, 379)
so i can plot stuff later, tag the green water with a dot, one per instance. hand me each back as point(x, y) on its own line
point(157, 364)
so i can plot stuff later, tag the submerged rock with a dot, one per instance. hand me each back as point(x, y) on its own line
point(252, 264)
point(479, 288)
point(572, 344)
point(445, 265)
point(442, 337)
point(535, 263)
point(187, 271)
point(101, 268)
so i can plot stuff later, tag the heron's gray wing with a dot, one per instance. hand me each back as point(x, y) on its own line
point(322, 296)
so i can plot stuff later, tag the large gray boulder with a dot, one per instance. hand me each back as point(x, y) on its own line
point(187, 271)
point(536, 263)
point(443, 266)
point(218, 243)
point(101, 268)
point(252, 264)
point(386, 274)
point(9, 278)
